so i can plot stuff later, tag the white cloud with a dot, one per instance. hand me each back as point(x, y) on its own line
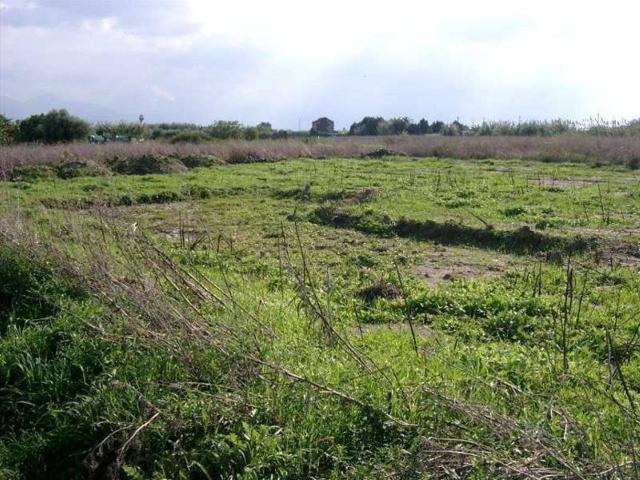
point(283, 60)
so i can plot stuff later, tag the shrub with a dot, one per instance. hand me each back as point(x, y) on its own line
point(250, 133)
point(31, 173)
point(190, 137)
point(8, 131)
point(73, 169)
point(160, 197)
point(195, 191)
point(57, 126)
point(222, 129)
point(514, 211)
point(110, 130)
point(147, 164)
point(195, 161)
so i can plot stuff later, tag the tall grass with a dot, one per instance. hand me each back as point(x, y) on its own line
point(574, 148)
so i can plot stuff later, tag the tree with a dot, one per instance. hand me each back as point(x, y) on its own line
point(370, 126)
point(57, 126)
point(8, 131)
point(250, 133)
point(399, 125)
point(264, 130)
point(437, 127)
point(110, 130)
point(222, 129)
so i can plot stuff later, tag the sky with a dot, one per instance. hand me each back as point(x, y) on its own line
point(289, 62)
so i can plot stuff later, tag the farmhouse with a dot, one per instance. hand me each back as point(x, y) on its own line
point(322, 126)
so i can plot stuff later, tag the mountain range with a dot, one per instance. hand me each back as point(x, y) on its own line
point(91, 112)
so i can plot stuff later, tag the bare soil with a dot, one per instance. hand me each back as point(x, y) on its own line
point(443, 265)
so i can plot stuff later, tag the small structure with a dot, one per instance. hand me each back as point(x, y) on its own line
point(322, 127)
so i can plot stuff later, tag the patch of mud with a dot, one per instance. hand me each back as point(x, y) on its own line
point(613, 247)
point(618, 253)
point(445, 265)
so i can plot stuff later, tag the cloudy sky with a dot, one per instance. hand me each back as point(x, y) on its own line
point(289, 62)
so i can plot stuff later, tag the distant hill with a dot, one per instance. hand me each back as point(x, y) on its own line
point(91, 112)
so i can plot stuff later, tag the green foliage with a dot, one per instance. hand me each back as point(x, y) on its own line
point(28, 290)
point(397, 126)
point(57, 126)
point(110, 130)
point(370, 126)
point(190, 136)
point(251, 133)
point(224, 129)
point(8, 131)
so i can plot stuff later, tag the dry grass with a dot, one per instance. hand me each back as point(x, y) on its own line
point(577, 148)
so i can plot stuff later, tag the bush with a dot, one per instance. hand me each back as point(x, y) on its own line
point(224, 129)
point(190, 136)
point(370, 126)
point(8, 131)
point(31, 173)
point(110, 130)
point(160, 197)
point(195, 161)
point(147, 164)
point(195, 191)
point(73, 169)
point(57, 126)
point(250, 133)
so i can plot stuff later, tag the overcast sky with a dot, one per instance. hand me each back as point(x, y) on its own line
point(292, 61)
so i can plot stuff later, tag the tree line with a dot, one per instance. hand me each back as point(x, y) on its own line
point(58, 126)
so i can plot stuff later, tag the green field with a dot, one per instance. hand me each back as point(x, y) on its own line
point(341, 318)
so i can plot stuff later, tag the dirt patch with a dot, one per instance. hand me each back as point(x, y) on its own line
point(614, 247)
point(618, 253)
point(445, 265)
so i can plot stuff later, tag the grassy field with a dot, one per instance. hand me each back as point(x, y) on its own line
point(391, 317)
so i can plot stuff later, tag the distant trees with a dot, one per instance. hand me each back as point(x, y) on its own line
point(185, 132)
point(225, 129)
point(8, 131)
point(527, 128)
point(130, 129)
point(264, 130)
point(401, 125)
point(398, 126)
point(370, 126)
point(57, 126)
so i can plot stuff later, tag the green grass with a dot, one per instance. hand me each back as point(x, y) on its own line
point(519, 281)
